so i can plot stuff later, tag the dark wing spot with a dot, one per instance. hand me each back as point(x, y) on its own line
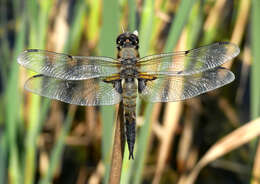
point(39, 75)
point(70, 57)
point(223, 43)
point(32, 50)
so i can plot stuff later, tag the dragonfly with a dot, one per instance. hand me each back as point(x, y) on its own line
point(98, 80)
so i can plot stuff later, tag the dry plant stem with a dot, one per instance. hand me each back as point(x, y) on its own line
point(213, 17)
point(172, 115)
point(229, 112)
point(240, 26)
point(118, 148)
point(169, 126)
point(185, 142)
point(97, 176)
point(230, 142)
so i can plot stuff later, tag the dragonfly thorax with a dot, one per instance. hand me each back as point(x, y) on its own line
point(128, 71)
point(128, 54)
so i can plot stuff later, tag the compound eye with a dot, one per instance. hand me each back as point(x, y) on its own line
point(117, 40)
point(134, 39)
point(137, 40)
point(121, 42)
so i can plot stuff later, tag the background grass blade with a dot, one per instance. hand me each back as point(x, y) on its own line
point(132, 15)
point(3, 158)
point(93, 20)
point(59, 147)
point(12, 101)
point(255, 75)
point(37, 40)
point(73, 42)
point(255, 85)
point(179, 21)
point(107, 47)
point(146, 26)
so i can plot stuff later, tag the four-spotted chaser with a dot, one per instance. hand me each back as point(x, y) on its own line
point(92, 81)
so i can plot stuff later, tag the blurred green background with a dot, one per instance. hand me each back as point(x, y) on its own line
point(43, 141)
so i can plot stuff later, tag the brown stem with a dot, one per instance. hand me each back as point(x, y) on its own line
point(118, 148)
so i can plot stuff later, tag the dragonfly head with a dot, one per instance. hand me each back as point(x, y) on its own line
point(127, 40)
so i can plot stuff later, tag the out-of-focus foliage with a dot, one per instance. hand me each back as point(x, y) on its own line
point(43, 141)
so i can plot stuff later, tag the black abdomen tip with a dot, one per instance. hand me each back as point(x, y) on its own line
point(130, 135)
point(131, 155)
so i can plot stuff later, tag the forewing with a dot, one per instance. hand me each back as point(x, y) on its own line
point(175, 88)
point(90, 92)
point(68, 67)
point(189, 62)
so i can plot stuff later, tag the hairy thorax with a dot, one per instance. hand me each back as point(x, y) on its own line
point(128, 58)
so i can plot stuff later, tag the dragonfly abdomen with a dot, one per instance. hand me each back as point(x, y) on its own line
point(129, 100)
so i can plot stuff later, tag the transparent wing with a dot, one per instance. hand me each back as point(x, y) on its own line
point(90, 92)
point(189, 62)
point(68, 67)
point(175, 88)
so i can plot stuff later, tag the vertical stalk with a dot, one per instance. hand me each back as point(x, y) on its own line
point(118, 148)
